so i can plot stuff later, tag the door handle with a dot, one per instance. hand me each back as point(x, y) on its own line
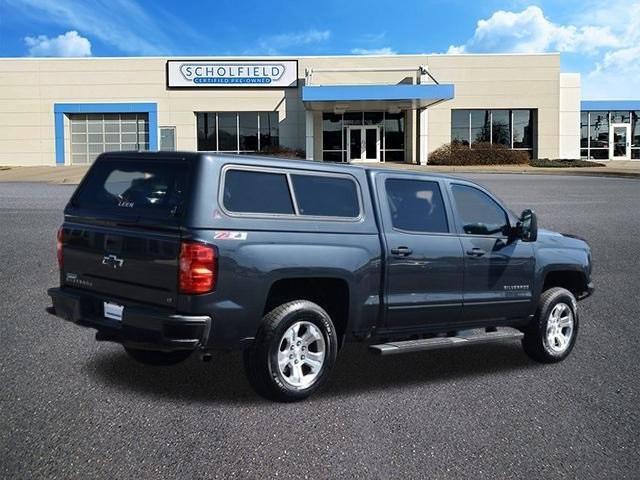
point(401, 251)
point(476, 252)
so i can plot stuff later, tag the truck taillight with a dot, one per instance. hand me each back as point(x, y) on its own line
point(59, 243)
point(198, 268)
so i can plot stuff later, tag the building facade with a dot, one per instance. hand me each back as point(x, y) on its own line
point(395, 108)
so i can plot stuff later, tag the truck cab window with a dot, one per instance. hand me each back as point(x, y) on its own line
point(416, 205)
point(478, 212)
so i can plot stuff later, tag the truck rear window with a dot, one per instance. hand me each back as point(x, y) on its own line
point(134, 187)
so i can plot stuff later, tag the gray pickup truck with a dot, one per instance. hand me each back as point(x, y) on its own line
point(173, 253)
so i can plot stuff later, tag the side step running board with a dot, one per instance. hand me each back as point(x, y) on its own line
point(436, 343)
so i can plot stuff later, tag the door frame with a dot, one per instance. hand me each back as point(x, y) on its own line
point(363, 143)
point(612, 128)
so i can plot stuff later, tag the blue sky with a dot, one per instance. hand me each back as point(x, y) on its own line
point(600, 40)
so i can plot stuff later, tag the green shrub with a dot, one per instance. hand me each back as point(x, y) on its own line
point(563, 163)
point(479, 154)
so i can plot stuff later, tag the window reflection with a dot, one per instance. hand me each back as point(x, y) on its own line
point(584, 130)
point(269, 134)
point(331, 131)
point(480, 126)
point(460, 126)
point(599, 129)
point(511, 128)
point(237, 131)
point(522, 129)
point(394, 131)
point(501, 127)
point(248, 123)
point(620, 117)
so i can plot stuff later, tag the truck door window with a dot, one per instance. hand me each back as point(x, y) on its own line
point(246, 191)
point(416, 205)
point(478, 212)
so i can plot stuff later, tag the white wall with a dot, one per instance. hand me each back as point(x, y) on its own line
point(30, 87)
point(569, 111)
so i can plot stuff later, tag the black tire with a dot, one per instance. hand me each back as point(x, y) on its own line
point(536, 341)
point(261, 358)
point(154, 357)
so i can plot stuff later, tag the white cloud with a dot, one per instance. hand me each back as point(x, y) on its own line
point(123, 24)
point(608, 38)
point(69, 44)
point(373, 51)
point(617, 73)
point(530, 31)
point(274, 44)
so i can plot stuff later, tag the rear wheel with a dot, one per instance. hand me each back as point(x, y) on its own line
point(293, 353)
point(154, 357)
point(552, 333)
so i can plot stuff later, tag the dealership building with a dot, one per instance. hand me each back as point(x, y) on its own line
point(395, 108)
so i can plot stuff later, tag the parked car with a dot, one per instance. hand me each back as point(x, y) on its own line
point(175, 253)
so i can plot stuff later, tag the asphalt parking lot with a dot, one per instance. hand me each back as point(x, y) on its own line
point(73, 408)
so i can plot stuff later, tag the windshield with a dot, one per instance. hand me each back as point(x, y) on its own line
point(134, 187)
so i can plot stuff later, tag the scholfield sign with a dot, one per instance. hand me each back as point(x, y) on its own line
point(259, 73)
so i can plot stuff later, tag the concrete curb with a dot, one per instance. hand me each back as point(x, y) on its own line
point(569, 172)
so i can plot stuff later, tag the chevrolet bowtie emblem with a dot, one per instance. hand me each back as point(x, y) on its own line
point(112, 261)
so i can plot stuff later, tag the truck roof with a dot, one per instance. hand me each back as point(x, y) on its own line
point(270, 161)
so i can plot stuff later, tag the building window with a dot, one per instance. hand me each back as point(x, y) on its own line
point(207, 132)
point(392, 133)
point(584, 134)
point(522, 129)
point(248, 130)
point(332, 141)
point(94, 133)
point(237, 132)
point(599, 130)
point(511, 128)
point(480, 126)
point(168, 139)
point(595, 130)
point(460, 127)
point(393, 143)
point(227, 132)
point(635, 135)
point(501, 127)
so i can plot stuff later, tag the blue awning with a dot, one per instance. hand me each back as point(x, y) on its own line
point(325, 97)
point(624, 105)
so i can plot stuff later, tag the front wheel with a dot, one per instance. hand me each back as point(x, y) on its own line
point(293, 353)
point(154, 357)
point(552, 333)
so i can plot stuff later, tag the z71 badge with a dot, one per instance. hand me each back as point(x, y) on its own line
point(227, 235)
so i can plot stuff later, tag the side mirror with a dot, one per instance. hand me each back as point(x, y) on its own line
point(528, 226)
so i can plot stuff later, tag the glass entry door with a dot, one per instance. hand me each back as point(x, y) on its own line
point(620, 146)
point(363, 144)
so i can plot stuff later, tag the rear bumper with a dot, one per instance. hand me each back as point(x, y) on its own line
point(141, 327)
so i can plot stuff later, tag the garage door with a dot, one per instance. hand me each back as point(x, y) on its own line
point(92, 134)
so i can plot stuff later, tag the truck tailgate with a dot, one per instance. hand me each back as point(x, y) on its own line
point(130, 263)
